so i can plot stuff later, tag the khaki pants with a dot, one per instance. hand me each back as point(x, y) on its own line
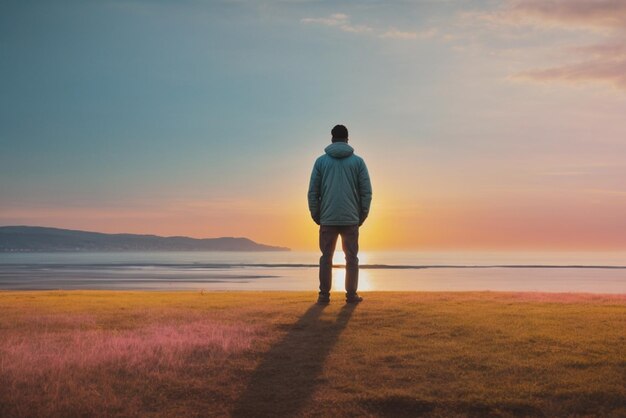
point(350, 243)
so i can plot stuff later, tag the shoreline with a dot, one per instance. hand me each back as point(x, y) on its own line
point(338, 295)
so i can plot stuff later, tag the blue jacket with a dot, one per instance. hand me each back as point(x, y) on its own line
point(340, 191)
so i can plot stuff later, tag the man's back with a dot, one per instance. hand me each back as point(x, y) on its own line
point(340, 191)
point(339, 197)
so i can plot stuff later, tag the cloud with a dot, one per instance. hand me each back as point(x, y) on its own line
point(336, 19)
point(602, 62)
point(394, 33)
point(343, 23)
point(339, 20)
point(596, 13)
point(608, 71)
point(564, 173)
point(608, 50)
point(607, 192)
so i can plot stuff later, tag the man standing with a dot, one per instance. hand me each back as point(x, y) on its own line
point(339, 196)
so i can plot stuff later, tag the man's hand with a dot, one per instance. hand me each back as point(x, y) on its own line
point(316, 219)
point(362, 218)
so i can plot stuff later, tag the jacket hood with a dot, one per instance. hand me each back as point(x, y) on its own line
point(339, 150)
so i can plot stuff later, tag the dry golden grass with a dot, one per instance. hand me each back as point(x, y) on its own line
point(118, 353)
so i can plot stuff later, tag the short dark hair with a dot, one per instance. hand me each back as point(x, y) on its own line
point(339, 132)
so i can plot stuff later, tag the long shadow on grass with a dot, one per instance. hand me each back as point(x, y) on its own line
point(288, 375)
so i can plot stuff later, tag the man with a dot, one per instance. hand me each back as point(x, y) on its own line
point(339, 196)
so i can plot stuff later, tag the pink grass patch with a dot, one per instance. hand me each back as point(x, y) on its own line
point(48, 370)
point(56, 321)
point(150, 346)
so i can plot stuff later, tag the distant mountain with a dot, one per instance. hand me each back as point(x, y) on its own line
point(39, 239)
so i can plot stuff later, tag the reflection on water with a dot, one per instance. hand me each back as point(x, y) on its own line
point(340, 258)
point(339, 276)
point(339, 273)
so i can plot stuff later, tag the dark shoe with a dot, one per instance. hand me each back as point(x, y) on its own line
point(323, 299)
point(354, 298)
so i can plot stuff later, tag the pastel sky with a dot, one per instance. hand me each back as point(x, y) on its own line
point(485, 124)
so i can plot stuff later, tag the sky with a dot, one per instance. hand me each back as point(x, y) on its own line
point(484, 124)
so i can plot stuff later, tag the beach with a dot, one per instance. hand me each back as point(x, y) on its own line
point(270, 353)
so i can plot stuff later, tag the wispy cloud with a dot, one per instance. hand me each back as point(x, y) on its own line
point(563, 173)
point(607, 192)
point(603, 62)
point(596, 13)
point(338, 20)
point(614, 49)
point(603, 70)
point(343, 22)
point(394, 33)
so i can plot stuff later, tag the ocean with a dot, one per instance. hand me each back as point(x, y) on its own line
point(588, 272)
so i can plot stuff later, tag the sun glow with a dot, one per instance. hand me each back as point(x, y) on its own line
point(339, 273)
point(339, 277)
point(339, 258)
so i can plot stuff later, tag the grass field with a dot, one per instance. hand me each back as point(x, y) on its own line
point(107, 353)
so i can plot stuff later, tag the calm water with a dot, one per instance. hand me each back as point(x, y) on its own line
point(547, 272)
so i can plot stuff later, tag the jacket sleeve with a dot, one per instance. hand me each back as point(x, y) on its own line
point(314, 193)
point(365, 191)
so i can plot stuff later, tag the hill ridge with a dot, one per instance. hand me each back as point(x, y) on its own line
point(25, 238)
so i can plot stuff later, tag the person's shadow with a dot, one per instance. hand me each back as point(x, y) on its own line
point(288, 375)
